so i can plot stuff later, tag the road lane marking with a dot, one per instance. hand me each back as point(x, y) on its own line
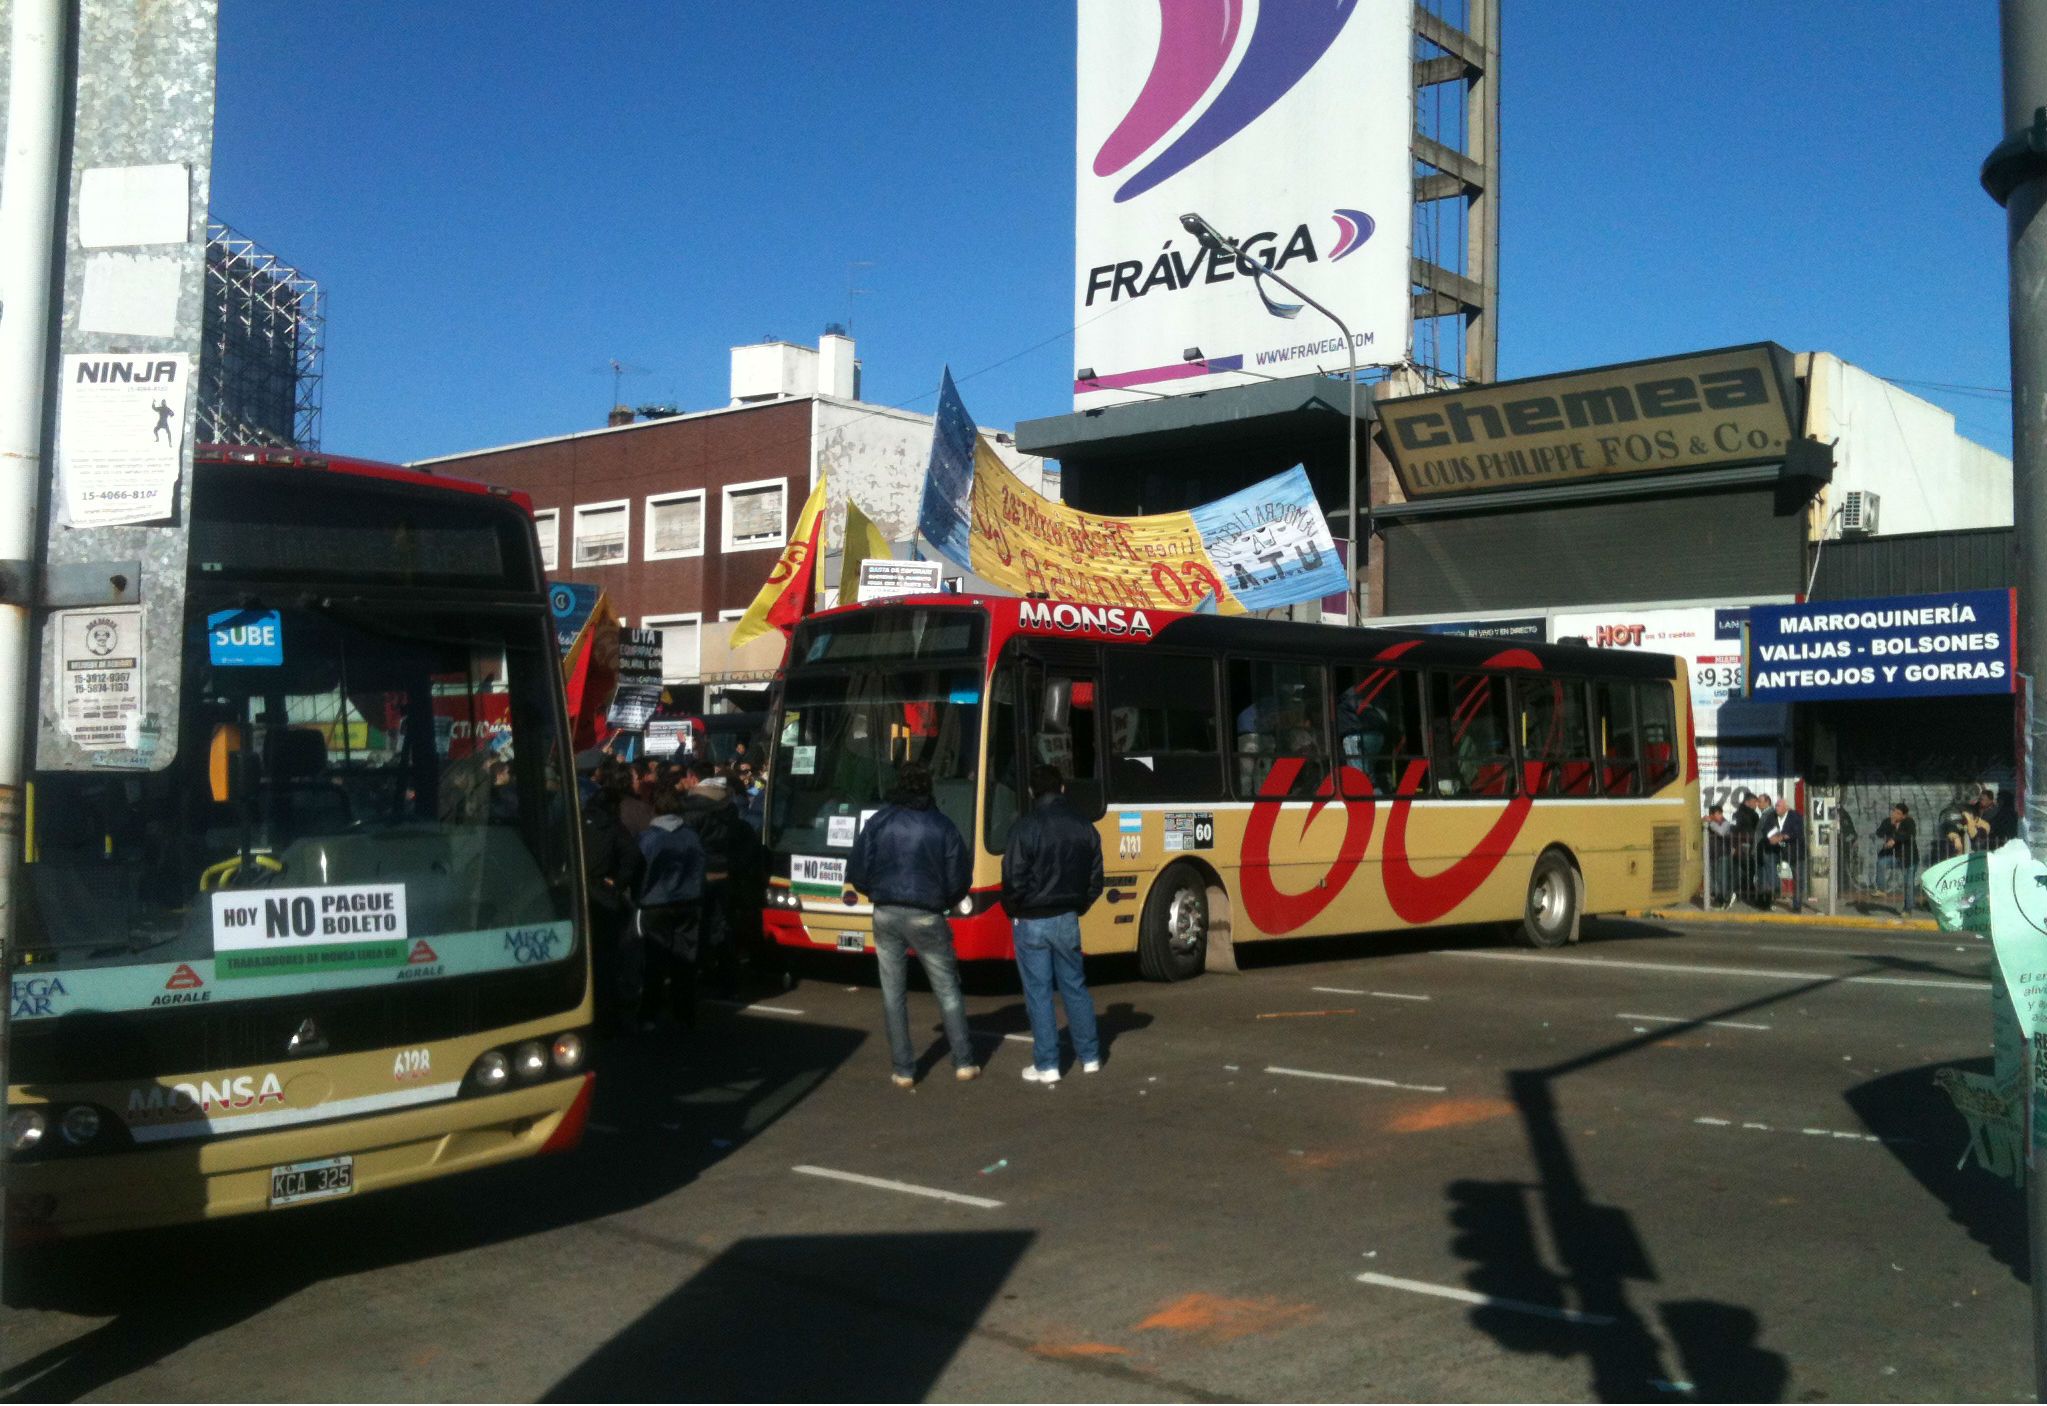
point(1290, 1015)
point(1950, 948)
point(765, 1010)
point(1382, 995)
point(1834, 1133)
point(1688, 1020)
point(1444, 1291)
point(1681, 969)
point(1355, 1079)
point(884, 1184)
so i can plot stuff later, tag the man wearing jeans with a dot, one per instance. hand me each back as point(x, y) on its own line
point(1051, 874)
point(910, 860)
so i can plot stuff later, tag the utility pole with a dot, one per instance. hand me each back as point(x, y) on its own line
point(2016, 177)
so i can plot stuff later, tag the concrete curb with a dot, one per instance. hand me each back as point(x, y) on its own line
point(1844, 920)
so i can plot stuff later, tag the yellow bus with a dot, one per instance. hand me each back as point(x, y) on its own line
point(1250, 779)
point(335, 944)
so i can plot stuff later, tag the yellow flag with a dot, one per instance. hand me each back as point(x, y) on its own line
point(785, 597)
point(864, 542)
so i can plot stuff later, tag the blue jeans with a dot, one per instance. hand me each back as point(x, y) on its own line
point(1048, 955)
point(896, 930)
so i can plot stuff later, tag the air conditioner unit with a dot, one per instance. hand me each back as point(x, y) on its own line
point(1858, 513)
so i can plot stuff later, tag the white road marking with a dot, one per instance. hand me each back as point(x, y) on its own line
point(1948, 947)
point(1687, 1020)
point(1444, 1291)
point(1356, 1079)
point(1382, 995)
point(767, 1010)
point(1806, 1132)
point(883, 1184)
point(1026, 1039)
point(1682, 969)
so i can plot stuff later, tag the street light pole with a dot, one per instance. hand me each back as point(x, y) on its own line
point(1215, 242)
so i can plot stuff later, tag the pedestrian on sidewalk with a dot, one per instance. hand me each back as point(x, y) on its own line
point(1719, 841)
point(1897, 852)
point(1051, 874)
point(1747, 819)
point(1784, 843)
point(911, 862)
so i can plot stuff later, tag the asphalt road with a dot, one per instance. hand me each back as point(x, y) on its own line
point(1667, 1164)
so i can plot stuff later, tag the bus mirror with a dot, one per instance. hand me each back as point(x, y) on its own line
point(221, 758)
point(1058, 699)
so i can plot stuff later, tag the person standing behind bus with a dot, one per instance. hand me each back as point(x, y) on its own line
point(611, 873)
point(910, 860)
point(671, 895)
point(1051, 874)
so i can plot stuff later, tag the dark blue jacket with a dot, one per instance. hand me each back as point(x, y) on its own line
point(911, 856)
point(675, 863)
point(1053, 863)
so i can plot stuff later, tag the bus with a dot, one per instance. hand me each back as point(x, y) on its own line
point(1250, 779)
point(336, 944)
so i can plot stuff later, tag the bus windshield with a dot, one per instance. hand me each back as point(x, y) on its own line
point(843, 734)
point(379, 792)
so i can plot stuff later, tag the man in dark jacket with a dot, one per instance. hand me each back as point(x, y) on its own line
point(671, 896)
point(1051, 874)
point(1897, 852)
point(611, 874)
point(1783, 842)
point(731, 858)
point(911, 862)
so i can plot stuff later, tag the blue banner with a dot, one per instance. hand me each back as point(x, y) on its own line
point(571, 605)
point(945, 517)
point(1891, 647)
point(1270, 542)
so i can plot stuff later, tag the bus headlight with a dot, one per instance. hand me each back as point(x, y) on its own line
point(568, 1051)
point(80, 1124)
point(965, 907)
point(492, 1070)
point(529, 1060)
point(25, 1129)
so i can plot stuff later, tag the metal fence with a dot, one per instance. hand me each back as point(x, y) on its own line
point(1845, 857)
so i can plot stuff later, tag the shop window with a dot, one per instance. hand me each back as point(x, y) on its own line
point(1470, 742)
point(1165, 741)
point(1281, 713)
point(1379, 730)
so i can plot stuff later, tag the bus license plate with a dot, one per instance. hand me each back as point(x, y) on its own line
point(852, 942)
point(310, 1181)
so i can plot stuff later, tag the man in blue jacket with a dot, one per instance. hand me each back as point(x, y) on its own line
point(671, 901)
point(911, 862)
point(1051, 874)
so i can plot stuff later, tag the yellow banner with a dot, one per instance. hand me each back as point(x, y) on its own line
point(1024, 542)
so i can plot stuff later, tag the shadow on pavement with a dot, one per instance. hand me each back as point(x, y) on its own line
point(1986, 1206)
point(709, 1340)
point(666, 1107)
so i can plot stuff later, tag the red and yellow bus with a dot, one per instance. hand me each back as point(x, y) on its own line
point(334, 942)
point(1251, 779)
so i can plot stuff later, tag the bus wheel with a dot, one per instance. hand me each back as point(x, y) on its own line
point(1551, 918)
point(1173, 944)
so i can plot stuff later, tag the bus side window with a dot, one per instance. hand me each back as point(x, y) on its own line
point(1656, 711)
point(1556, 745)
point(1379, 730)
point(1470, 740)
point(1165, 741)
point(1063, 734)
point(1281, 712)
point(1620, 773)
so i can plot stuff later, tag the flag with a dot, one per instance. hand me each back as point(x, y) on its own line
point(946, 515)
point(864, 542)
point(590, 674)
point(785, 597)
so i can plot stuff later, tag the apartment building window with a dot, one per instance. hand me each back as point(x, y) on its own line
point(675, 525)
point(600, 533)
point(547, 525)
point(681, 658)
point(755, 515)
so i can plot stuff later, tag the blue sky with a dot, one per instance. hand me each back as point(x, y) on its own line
point(501, 198)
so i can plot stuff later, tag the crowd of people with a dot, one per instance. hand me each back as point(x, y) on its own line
point(673, 861)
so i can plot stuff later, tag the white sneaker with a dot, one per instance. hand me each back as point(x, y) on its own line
point(1034, 1075)
point(1093, 1066)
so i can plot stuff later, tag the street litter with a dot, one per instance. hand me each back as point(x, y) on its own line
point(995, 1166)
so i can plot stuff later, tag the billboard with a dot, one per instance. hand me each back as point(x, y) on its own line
point(1708, 640)
point(1286, 125)
point(1889, 647)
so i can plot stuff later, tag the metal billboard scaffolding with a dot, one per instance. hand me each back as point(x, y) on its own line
point(261, 347)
